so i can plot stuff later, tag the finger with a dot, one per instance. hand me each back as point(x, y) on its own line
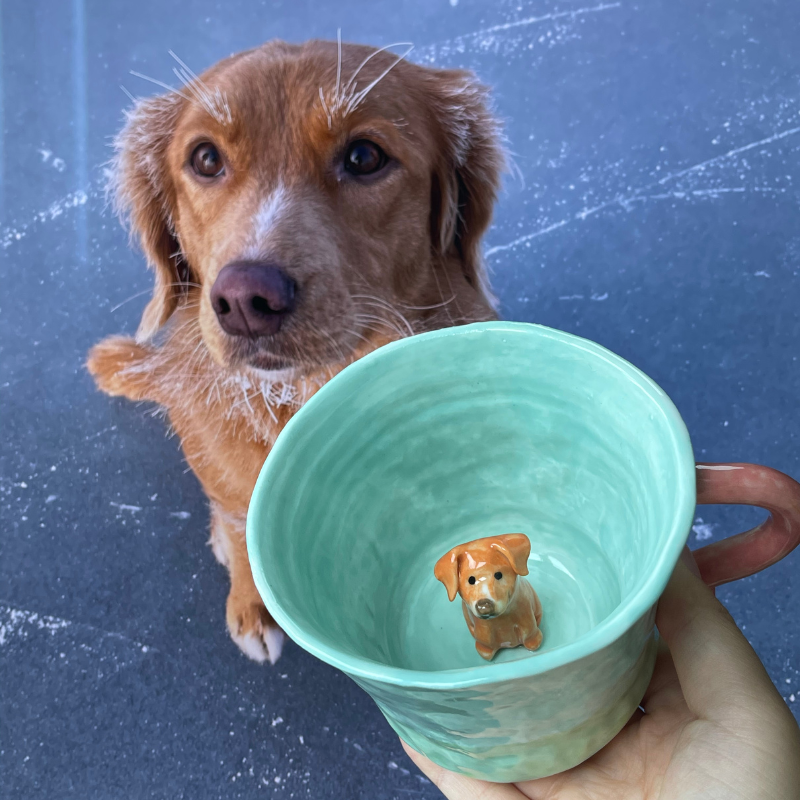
point(664, 684)
point(688, 559)
point(459, 787)
point(715, 664)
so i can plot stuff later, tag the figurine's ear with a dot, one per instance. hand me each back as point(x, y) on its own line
point(446, 570)
point(516, 547)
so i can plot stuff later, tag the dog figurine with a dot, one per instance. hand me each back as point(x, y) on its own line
point(500, 610)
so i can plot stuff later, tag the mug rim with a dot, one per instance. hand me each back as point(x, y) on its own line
point(606, 633)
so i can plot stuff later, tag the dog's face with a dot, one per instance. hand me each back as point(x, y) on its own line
point(311, 200)
point(484, 572)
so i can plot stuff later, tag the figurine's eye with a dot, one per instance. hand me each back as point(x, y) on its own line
point(471, 579)
point(498, 576)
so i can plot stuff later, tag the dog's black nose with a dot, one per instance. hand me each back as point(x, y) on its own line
point(484, 607)
point(251, 299)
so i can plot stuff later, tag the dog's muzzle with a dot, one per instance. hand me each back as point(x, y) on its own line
point(485, 608)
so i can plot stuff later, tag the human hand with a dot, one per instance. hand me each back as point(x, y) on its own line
point(713, 725)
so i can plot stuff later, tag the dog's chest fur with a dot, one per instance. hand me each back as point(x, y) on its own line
point(226, 420)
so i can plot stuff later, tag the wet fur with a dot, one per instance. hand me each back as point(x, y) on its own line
point(418, 270)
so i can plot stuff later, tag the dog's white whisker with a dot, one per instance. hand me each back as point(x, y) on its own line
point(338, 63)
point(130, 96)
point(371, 56)
point(391, 326)
point(358, 98)
point(325, 108)
point(215, 103)
point(128, 299)
point(387, 306)
point(445, 305)
point(428, 308)
point(161, 84)
point(355, 333)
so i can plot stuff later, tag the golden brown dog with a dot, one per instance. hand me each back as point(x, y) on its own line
point(500, 610)
point(300, 205)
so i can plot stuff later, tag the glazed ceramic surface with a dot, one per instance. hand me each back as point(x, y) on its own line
point(455, 435)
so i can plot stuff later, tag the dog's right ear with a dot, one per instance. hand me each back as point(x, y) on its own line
point(516, 547)
point(446, 571)
point(142, 196)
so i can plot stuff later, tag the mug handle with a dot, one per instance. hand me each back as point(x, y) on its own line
point(749, 552)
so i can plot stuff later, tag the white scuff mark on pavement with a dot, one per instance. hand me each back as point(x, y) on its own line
point(730, 154)
point(100, 433)
point(13, 622)
point(180, 514)
point(506, 26)
point(19, 623)
point(599, 297)
point(641, 194)
point(488, 38)
point(126, 507)
point(55, 210)
point(57, 163)
point(762, 274)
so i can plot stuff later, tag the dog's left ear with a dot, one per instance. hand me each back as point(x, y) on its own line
point(446, 571)
point(466, 180)
point(516, 547)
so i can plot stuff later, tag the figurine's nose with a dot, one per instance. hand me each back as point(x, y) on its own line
point(484, 607)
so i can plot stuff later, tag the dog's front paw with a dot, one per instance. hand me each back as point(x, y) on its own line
point(108, 362)
point(253, 629)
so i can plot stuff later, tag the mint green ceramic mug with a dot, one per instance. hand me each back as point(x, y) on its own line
point(472, 431)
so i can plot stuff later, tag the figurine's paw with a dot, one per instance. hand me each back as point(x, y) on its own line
point(533, 642)
point(255, 632)
point(484, 651)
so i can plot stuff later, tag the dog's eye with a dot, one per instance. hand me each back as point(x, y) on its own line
point(498, 576)
point(364, 158)
point(207, 161)
point(471, 579)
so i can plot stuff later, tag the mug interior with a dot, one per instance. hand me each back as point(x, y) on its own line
point(455, 435)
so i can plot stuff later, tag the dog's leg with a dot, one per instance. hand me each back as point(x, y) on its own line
point(249, 622)
point(533, 641)
point(484, 651)
point(119, 366)
point(537, 608)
